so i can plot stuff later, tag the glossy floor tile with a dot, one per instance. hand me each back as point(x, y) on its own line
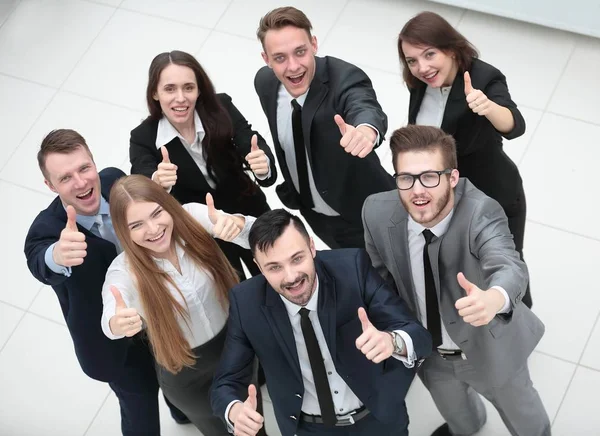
point(83, 64)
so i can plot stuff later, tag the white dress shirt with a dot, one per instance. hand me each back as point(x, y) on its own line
point(165, 134)
point(206, 315)
point(344, 400)
point(433, 105)
point(416, 244)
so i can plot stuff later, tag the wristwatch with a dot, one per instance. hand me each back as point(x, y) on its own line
point(398, 342)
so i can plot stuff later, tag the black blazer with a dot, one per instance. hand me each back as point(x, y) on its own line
point(191, 184)
point(344, 181)
point(259, 325)
point(80, 295)
point(479, 145)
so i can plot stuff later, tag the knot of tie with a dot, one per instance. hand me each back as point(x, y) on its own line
point(428, 235)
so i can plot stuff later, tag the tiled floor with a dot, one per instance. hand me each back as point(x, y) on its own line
point(82, 64)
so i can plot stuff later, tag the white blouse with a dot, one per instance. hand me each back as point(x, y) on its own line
point(206, 316)
point(433, 105)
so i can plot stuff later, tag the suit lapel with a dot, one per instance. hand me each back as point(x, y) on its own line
point(272, 92)
point(280, 324)
point(455, 105)
point(316, 95)
point(327, 307)
point(398, 232)
point(416, 98)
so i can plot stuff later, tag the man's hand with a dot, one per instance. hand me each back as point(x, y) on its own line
point(244, 417)
point(126, 321)
point(478, 307)
point(476, 99)
point(71, 247)
point(257, 159)
point(358, 141)
point(166, 172)
point(374, 344)
point(225, 226)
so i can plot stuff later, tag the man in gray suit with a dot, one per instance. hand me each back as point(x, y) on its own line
point(448, 249)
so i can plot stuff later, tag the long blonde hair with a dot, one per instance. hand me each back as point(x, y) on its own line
point(171, 349)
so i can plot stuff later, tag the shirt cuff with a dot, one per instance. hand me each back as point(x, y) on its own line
point(411, 357)
point(507, 306)
point(53, 266)
point(266, 176)
point(152, 178)
point(242, 238)
point(230, 427)
point(376, 131)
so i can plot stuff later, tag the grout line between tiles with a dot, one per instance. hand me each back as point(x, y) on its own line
point(545, 111)
point(335, 21)
point(13, 332)
point(162, 17)
point(45, 318)
point(550, 226)
point(97, 413)
point(27, 188)
point(589, 367)
point(553, 356)
point(562, 401)
point(592, 123)
point(28, 81)
point(12, 11)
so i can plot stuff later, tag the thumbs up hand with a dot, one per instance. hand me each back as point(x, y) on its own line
point(71, 246)
point(257, 159)
point(246, 420)
point(478, 307)
point(476, 99)
point(226, 227)
point(374, 344)
point(358, 141)
point(126, 321)
point(166, 172)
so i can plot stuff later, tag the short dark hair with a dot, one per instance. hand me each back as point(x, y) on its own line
point(63, 141)
point(430, 29)
point(280, 18)
point(270, 226)
point(423, 138)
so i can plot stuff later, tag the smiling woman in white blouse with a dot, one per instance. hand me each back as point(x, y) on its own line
point(172, 281)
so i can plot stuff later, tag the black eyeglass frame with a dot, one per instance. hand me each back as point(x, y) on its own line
point(418, 176)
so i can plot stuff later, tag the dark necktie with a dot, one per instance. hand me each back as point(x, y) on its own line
point(434, 323)
point(318, 369)
point(301, 164)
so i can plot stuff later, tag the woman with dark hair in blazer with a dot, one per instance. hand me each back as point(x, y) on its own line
point(196, 142)
point(452, 89)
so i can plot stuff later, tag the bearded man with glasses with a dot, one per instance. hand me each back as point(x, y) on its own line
point(448, 249)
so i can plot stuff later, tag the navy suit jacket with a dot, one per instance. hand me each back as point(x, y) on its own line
point(259, 325)
point(80, 295)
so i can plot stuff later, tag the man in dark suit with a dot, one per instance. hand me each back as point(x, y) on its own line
point(325, 121)
point(447, 247)
point(70, 246)
point(337, 345)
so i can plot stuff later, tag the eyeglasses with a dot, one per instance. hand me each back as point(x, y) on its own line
point(429, 179)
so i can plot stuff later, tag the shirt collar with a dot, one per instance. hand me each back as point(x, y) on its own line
point(87, 221)
point(166, 132)
point(438, 230)
point(284, 93)
point(293, 309)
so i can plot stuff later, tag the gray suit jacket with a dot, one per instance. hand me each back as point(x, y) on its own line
point(477, 243)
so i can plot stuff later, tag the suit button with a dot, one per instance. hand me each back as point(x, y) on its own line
point(299, 396)
point(324, 192)
point(293, 417)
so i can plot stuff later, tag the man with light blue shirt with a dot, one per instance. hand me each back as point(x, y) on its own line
point(70, 246)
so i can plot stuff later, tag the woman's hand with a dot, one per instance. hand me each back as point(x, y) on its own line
point(166, 172)
point(126, 321)
point(257, 159)
point(226, 227)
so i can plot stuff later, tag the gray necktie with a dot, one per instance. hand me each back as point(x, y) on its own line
point(106, 230)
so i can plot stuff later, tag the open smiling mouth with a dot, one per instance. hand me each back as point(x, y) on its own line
point(297, 78)
point(420, 203)
point(294, 289)
point(86, 195)
point(158, 238)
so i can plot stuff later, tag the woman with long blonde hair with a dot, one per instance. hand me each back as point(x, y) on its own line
point(172, 281)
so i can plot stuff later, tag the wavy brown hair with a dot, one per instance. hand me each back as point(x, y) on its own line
point(171, 349)
point(430, 29)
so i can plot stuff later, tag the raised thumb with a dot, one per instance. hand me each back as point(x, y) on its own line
point(120, 303)
point(254, 143)
point(340, 123)
point(71, 218)
point(165, 154)
point(468, 85)
point(251, 400)
point(364, 319)
point(464, 283)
